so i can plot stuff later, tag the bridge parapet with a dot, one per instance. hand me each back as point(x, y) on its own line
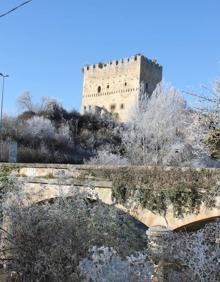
point(167, 196)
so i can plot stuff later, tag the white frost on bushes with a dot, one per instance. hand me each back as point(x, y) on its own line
point(190, 257)
point(42, 128)
point(39, 127)
point(104, 265)
point(193, 256)
point(162, 131)
point(104, 157)
point(64, 134)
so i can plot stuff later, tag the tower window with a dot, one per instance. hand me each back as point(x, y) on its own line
point(112, 107)
point(122, 106)
point(116, 62)
point(125, 83)
point(146, 86)
point(108, 86)
point(99, 89)
point(135, 58)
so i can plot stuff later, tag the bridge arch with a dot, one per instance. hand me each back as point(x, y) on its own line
point(49, 181)
point(139, 224)
point(145, 216)
point(196, 225)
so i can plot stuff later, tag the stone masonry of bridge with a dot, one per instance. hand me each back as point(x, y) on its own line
point(48, 181)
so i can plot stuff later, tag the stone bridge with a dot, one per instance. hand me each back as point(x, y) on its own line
point(46, 182)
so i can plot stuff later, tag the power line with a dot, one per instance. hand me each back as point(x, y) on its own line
point(15, 8)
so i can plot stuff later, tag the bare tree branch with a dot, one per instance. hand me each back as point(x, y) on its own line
point(203, 97)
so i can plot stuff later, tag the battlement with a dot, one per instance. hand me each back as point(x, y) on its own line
point(121, 63)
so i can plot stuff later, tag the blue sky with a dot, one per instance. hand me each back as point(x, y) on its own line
point(44, 45)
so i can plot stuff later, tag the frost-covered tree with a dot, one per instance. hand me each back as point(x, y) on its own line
point(214, 105)
point(163, 130)
point(208, 104)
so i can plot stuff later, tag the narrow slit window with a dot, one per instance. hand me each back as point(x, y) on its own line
point(146, 86)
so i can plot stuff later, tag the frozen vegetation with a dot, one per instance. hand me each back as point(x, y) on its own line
point(162, 130)
point(79, 239)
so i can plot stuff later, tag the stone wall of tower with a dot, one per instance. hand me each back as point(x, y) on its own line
point(150, 74)
point(115, 85)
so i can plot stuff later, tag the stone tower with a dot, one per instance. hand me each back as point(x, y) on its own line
point(115, 86)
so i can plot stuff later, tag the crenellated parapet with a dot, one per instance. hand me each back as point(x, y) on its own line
point(122, 63)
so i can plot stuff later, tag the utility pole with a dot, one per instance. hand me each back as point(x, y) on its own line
point(1, 114)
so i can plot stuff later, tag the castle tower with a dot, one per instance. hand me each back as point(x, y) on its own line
point(115, 86)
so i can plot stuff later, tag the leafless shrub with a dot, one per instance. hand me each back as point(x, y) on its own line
point(46, 242)
point(82, 239)
point(190, 256)
point(25, 102)
point(104, 264)
point(39, 127)
point(105, 157)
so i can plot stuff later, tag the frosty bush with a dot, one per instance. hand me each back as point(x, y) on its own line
point(104, 265)
point(39, 127)
point(46, 242)
point(104, 157)
point(82, 239)
point(191, 256)
point(162, 130)
point(64, 135)
point(46, 132)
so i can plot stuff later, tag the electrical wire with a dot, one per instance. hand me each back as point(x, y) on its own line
point(15, 8)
